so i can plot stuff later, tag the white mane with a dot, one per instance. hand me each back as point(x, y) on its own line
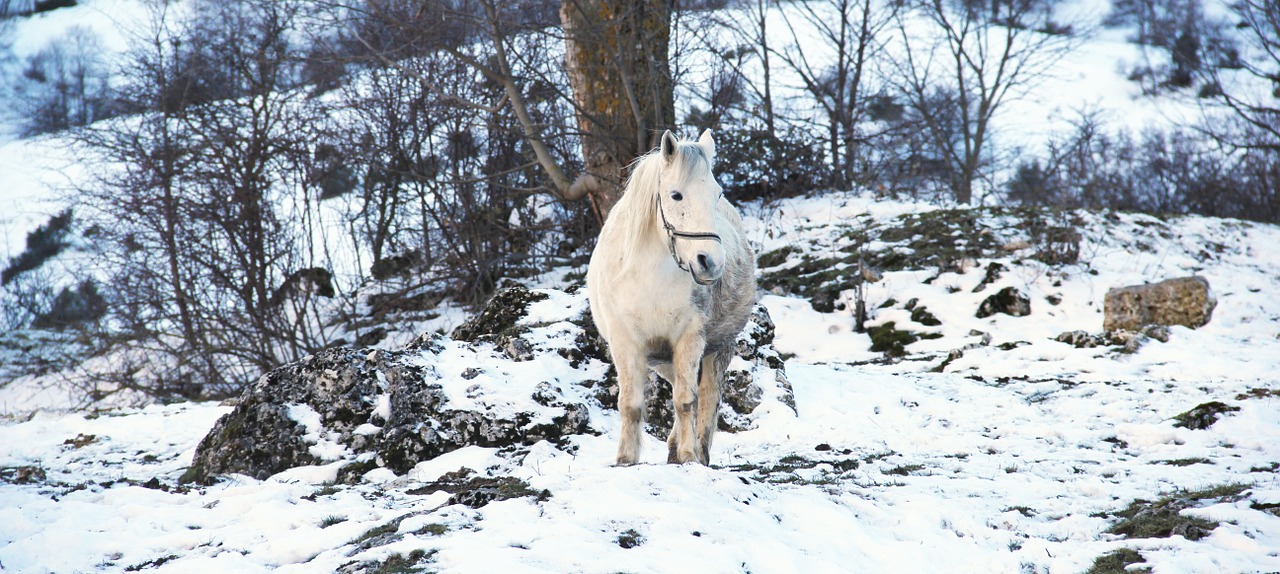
point(637, 211)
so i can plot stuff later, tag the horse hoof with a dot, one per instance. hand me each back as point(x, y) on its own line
point(684, 458)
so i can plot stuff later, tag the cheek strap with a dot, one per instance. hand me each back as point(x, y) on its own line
point(673, 234)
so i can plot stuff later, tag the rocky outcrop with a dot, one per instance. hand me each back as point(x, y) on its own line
point(369, 408)
point(530, 367)
point(756, 377)
point(1185, 301)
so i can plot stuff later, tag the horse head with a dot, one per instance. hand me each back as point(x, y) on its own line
point(687, 200)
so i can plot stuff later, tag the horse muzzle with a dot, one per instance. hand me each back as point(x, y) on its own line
point(706, 269)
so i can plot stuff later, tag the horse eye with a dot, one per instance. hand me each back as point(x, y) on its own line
point(676, 196)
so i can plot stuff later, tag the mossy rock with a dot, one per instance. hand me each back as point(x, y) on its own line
point(500, 316)
point(821, 280)
point(1009, 301)
point(888, 339)
point(922, 316)
point(1203, 416)
point(938, 239)
point(477, 491)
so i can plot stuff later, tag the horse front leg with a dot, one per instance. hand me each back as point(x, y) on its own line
point(687, 364)
point(633, 371)
point(713, 367)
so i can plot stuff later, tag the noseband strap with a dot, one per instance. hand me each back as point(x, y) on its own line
point(673, 234)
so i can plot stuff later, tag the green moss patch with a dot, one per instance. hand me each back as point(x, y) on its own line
point(905, 470)
point(1164, 518)
point(1258, 393)
point(395, 564)
point(1186, 461)
point(890, 340)
point(1203, 416)
point(1117, 562)
point(630, 539)
point(922, 316)
point(776, 257)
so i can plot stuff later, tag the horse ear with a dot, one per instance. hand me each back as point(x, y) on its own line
point(708, 144)
point(668, 146)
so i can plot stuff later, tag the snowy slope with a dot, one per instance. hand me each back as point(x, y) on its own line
point(1008, 461)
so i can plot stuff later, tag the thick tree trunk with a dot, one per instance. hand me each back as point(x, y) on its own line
point(616, 56)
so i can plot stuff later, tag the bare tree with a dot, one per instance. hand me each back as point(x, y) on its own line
point(1244, 92)
point(616, 63)
point(494, 23)
point(743, 44)
point(957, 83)
point(852, 29)
point(460, 124)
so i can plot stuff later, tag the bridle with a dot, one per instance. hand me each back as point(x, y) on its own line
point(673, 234)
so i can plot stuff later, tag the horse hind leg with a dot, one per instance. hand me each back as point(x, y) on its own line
point(709, 381)
point(632, 374)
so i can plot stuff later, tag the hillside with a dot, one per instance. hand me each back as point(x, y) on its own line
point(1024, 454)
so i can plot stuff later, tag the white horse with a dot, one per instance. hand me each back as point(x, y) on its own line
point(671, 284)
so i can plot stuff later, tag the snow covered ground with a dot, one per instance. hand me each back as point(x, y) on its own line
point(1014, 459)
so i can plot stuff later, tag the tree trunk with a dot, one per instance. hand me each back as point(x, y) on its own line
point(616, 57)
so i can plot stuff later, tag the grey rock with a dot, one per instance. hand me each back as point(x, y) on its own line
point(344, 387)
point(1009, 301)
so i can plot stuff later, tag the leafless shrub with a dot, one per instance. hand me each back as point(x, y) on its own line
point(196, 202)
point(1172, 171)
point(65, 84)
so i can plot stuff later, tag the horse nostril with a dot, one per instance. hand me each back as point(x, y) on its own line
point(703, 262)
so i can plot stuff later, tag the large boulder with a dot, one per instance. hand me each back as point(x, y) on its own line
point(529, 367)
point(1185, 301)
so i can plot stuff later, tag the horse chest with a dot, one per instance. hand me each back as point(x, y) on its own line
point(662, 305)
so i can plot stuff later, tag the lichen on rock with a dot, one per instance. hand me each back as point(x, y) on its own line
point(1186, 301)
